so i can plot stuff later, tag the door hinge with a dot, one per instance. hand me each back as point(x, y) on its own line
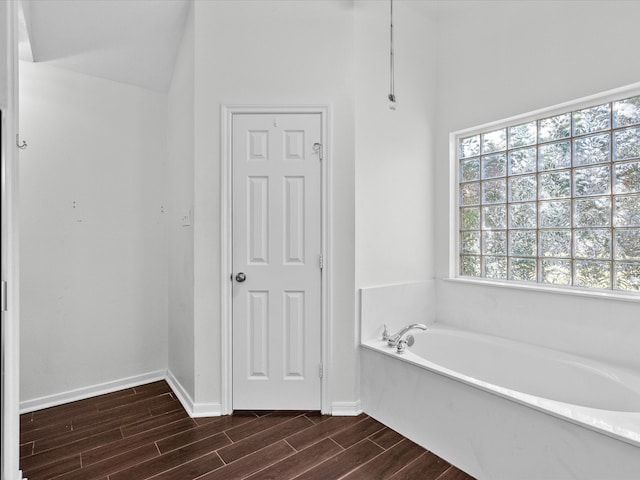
point(320, 371)
point(318, 148)
point(4, 296)
point(321, 261)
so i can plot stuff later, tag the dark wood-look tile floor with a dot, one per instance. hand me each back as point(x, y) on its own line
point(144, 433)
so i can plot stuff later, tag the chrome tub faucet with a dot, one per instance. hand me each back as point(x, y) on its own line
point(394, 340)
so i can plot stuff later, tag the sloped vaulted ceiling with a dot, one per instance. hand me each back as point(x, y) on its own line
point(129, 41)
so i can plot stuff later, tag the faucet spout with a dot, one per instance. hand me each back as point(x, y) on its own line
point(393, 340)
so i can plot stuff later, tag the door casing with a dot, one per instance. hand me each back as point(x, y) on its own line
point(226, 234)
point(9, 106)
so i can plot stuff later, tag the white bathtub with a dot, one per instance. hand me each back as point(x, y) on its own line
point(503, 409)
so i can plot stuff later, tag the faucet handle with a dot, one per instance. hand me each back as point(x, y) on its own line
point(404, 343)
point(385, 332)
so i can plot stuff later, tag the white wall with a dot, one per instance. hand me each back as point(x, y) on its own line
point(499, 59)
point(97, 288)
point(285, 53)
point(322, 52)
point(180, 188)
point(93, 235)
point(394, 149)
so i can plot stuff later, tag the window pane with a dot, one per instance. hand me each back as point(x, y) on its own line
point(470, 266)
point(522, 188)
point(591, 181)
point(627, 244)
point(522, 161)
point(626, 211)
point(626, 177)
point(494, 165)
point(555, 214)
point(554, 200)
point(522, 215)
point(593, 149)
point(593, 274)
point(494, 216)
point(554, 155)
point(557, 272)
point(626, 112)
point(592, 212)
point(495, 267)
point(494, 191)
point(555, 128)
point(523, 269)
point(627, 144)
point(470, 193)
point(523, 243)
point(555, 243)
point(628, 276)
point(554, 185)
point(494, 141)
point(470, 170)
point(470, 242)
point(591, 119)
point(494, 243)
point(470, 218)
point(522, 135)
point(592, 243)
point(469, 147)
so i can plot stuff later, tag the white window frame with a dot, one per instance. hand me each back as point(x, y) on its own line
point(454, 195)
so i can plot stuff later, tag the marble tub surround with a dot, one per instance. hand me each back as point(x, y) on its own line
point(496, 422)
point(395, 306)
point(583, 391)
point(483, 433)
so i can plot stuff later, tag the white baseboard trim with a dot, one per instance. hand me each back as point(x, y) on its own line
point(27, 406)
point(193, 409)
point(346, 409)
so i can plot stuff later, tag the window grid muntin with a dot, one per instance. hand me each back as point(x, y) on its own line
point(612, 261)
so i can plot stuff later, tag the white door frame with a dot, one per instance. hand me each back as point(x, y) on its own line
point(226, 233)
point(10, 264)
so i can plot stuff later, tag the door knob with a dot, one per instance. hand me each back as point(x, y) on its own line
point(241, 277)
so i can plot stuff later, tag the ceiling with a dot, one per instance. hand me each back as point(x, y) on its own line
point(130, 41)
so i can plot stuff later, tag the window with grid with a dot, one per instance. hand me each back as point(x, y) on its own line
point(554, 200)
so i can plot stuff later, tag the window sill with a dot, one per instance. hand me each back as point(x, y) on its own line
point(575, 291)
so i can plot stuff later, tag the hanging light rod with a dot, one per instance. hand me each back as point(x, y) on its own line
point(392, 93)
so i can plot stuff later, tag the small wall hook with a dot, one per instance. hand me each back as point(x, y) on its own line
point(22, 145)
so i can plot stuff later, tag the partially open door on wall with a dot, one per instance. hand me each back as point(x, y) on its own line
point(10, 304)
point(9, 240)
point(277, 262)
point(3, 289)
point(2, 286)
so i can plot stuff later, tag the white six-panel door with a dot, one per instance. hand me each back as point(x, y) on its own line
point(276, 261)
